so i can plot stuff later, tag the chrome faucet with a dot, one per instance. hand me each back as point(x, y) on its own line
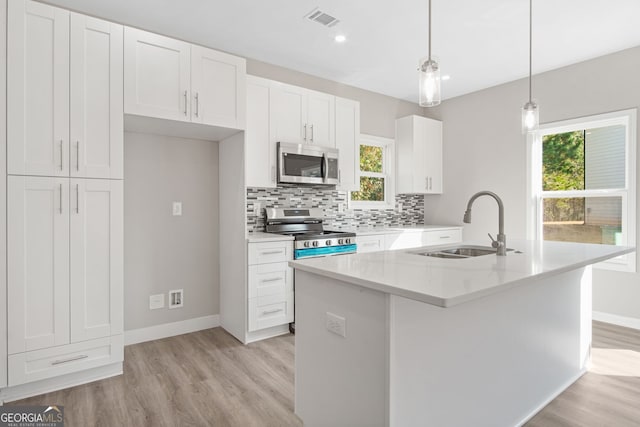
point(501, 243)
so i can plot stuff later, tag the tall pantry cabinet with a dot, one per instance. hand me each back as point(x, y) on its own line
point(65, 192)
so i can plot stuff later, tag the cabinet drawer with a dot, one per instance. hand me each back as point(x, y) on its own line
point(273, 310)
point(442, 237)
point(270, 279)
point(51, 362)
point(405, 240)
point(370, 243)
point(262, 253)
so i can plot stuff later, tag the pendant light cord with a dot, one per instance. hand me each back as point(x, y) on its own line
point(429, 30)
point(530, 42)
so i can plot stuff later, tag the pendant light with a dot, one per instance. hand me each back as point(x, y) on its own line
point(429, 75)
point(530, 110)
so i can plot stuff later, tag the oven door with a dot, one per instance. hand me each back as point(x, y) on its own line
point(307, 164)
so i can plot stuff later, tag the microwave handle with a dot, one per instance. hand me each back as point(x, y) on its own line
point(324, 169)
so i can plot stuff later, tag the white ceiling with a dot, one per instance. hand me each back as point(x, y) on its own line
point(478, 43)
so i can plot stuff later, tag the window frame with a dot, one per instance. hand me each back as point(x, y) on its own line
point(388, 164)
point(535, 194)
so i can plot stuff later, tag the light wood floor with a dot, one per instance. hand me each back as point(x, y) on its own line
point(209, 378)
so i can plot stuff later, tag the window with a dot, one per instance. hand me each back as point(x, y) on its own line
point(375, 167)
point(582, 183)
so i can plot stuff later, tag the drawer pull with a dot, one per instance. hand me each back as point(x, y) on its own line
point(445, 237)
point(71, 359)
point(271, 252)
point(370, 244)
point(275, 279)
point(277, 310)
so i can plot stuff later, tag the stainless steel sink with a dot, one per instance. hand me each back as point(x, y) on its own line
point(457, 252)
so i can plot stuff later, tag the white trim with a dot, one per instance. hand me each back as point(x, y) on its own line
point(388, 173)
point(614, 319)
point(266, 333)
point(167, 330)
point(48, 385)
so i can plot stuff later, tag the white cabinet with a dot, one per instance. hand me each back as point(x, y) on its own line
point(347, 142)
point(170, 79)
point(371, 243)
point(65, 264)
point(418, 155)
point(269, 285)
point(260, 152)
point(64, 93)
point(391, 240)
point(299, 115)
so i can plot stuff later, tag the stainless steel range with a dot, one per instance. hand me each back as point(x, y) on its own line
point(310, 237)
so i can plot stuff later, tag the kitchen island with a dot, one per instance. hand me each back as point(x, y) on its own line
point(397, 338)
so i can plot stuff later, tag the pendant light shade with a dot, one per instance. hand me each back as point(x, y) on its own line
point(530, 110)
point(429, 77)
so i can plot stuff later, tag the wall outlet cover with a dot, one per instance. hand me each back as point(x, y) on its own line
point(177, 209)
point(176, 298)
point(336, 324)
point(156, 301)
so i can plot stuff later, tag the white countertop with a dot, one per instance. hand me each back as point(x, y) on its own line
point(448, 282)
point(259, 236)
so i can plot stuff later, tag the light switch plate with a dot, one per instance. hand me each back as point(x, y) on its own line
point(177, 208)
point(156, 301)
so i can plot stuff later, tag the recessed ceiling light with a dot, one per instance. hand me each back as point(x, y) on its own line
point(340, 38)
point(446, 77)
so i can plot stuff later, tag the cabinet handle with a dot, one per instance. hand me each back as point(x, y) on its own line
point(185, 102)
point(311, 133)
point(275, 279)
point(271, 252)
point(71, 359)
point(305, 132)
point(197, 106)
point(61, 155)
point(273, 173)
point(78, 198)
point(445, 237)
point(77, 155)
point(430, 184)
point(370, 244)
point(339, 176)
point(272, 311)
point(60, 199)
point(426, 183)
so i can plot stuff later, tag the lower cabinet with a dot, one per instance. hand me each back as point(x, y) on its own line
point(371, 243)
point(270, 285)
point(65, 275)
point(395, 240)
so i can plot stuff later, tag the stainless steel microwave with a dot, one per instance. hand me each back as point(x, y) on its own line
point(307, 164)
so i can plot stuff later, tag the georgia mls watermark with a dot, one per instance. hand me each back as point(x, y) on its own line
point(31, 416)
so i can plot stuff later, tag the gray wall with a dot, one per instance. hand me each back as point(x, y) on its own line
point(164, 252)
point(484, 149)
point(378, 113)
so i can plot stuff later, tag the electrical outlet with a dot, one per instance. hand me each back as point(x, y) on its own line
point(399, 207)
point(156, 301)
point(340, 207)
point(257, 208)
point(336, 324)
point(177, 208)
point(176, 299)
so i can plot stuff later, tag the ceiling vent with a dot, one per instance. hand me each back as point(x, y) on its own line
point(316, 15)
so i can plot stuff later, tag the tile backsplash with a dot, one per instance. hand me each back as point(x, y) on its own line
point(330, 201)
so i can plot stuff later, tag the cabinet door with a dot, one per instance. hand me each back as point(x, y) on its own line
point(260, 153)
point(37, 89)
point(288, 112)
point(156, 76)
point(38, 262)
point(96, 98)
point(433, 156)
point(96, 258)
point(218, 88)
point(320, 118)
point(347, 142)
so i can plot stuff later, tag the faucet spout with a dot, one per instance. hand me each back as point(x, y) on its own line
point(501, 241)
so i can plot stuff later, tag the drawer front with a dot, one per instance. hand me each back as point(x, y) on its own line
point(274, 310)
point(442, 237)
point(406, 240)
point(263, 253)
point(51, 362)
point(370, 243)
point(270, 279)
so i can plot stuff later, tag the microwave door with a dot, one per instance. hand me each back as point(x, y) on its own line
point(301, 168)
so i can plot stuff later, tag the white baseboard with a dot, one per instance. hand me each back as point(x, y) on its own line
point(627, 322)
point(48, 385)
point(167, 330)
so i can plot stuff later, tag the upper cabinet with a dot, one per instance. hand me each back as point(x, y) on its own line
point(348, 144)
point(169, 79)
point(64, 93)
point(418, 155)
point(260, 152)
point(299, 115)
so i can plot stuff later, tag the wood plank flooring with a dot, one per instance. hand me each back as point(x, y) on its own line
point(208, 378)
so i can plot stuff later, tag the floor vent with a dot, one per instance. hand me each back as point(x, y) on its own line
point(316, 15)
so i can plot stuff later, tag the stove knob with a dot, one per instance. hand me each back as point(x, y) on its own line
point(315, 243)
point(328, 243)
point(340, 241)
point(347, 241)
point(306, 244)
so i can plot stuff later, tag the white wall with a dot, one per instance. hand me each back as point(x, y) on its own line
point(485, 150)
point(164, 252)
